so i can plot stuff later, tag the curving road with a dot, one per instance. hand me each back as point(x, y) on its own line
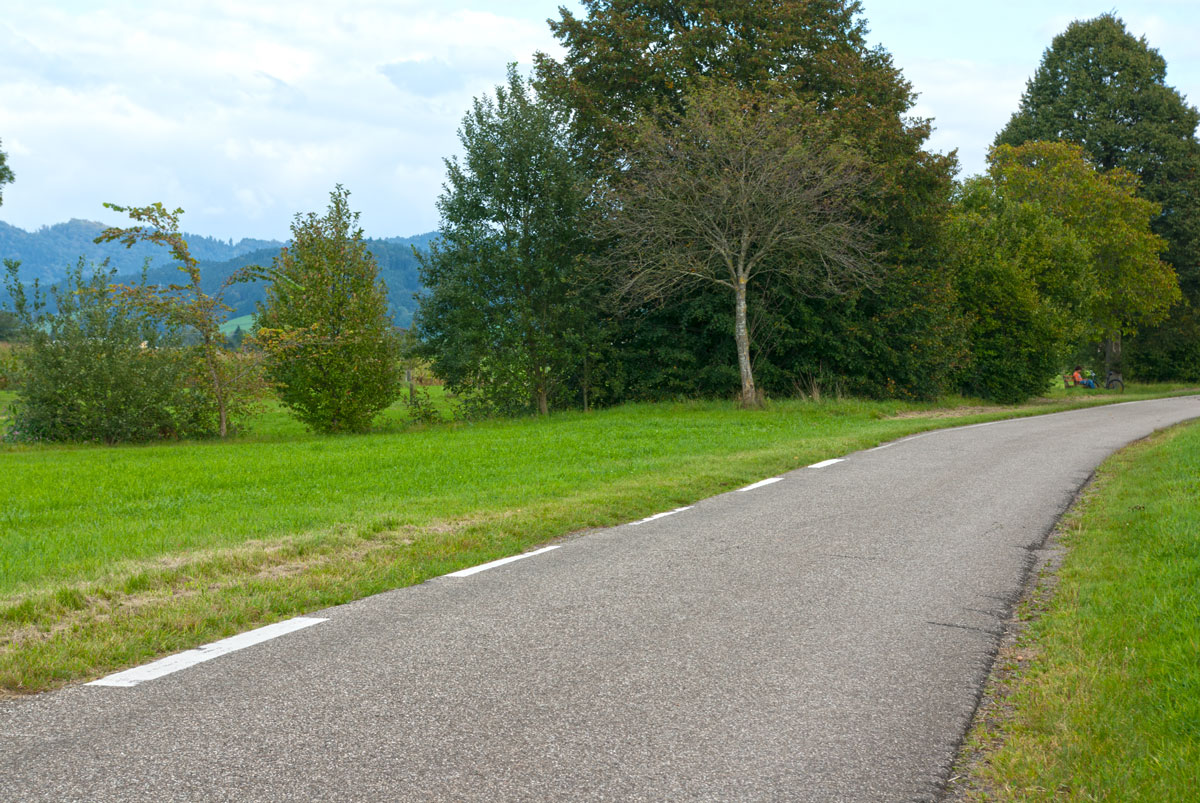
point(823, 637)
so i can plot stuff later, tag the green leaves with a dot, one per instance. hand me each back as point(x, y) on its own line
point(1024, 279)
point(1131, 285)
point(1105, 90)
point(101, 369)
point(6, 174)
point(331, 349)
point(507, 315)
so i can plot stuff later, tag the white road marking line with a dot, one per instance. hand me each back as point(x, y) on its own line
point(183, 660)
point(972, 426)
point(483, 567)
point(885, 446)
point(760, 484)
point(824, 463)
point(660, 515)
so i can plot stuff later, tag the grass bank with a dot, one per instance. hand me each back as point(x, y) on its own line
point(1105, 705)
point(110, 556)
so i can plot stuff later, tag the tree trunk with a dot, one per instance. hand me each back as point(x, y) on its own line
point(543, 402)
point(742, 335)
point(1112, 353)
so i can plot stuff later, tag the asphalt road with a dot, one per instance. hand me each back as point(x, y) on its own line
point(821, 638)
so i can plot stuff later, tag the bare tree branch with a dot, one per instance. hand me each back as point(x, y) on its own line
point(736, 188)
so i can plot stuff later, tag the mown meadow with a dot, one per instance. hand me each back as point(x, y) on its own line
point(110, 556)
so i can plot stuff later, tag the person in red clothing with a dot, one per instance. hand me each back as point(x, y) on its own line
point(1078, 379)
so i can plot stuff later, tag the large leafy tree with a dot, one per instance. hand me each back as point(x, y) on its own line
point(1025, 279)
point(1103, 88)
point(1131, 285)
point(737, 191)
point(504, 315)
point(627, 58)
point(628, 61)
point(6, 174)
point(331, 348)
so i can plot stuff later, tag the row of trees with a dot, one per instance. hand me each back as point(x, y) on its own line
point(132, 362)
point(701, 195)
point(1105, 90)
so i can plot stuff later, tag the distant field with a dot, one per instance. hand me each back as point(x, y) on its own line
point(110, 556)
point(230, 326)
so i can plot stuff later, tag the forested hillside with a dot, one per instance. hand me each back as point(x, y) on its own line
point(46, 255)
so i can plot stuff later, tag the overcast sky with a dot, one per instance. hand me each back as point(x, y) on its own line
point(245, 112)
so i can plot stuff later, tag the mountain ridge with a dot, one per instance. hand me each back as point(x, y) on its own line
point(47, 253)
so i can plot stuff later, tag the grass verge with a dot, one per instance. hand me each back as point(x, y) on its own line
point(112, 556)
point(1098, 697)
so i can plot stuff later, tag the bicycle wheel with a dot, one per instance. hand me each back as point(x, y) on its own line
point(1116, 384)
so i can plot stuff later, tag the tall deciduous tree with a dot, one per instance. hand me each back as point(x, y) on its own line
point(232, 385)
point(627, 60)
point(1104, 89)
point(737, 190)
point(503, 313)
point(1025, 281)
point(1133, 287)
point(331, 348)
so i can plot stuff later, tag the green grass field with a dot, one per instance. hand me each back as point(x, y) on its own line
point(1108, 708)
point(113, 555)
point(230, 326)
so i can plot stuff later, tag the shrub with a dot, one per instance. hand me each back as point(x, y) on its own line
point(95, 369)
point(330, 347)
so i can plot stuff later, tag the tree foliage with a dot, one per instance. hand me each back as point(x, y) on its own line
point(1131, 285)
point(1102, 88)
point(1024, 281)
point(628, 61)
point(332, 351)
point(231, 384)
point(738, 190)
point(505, 314)
point(98, 369)
point(6, 174)
point(9, 326)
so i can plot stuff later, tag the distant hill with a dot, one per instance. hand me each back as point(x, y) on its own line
point(46, 254)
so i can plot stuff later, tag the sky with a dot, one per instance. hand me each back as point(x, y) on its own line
point(246, 112)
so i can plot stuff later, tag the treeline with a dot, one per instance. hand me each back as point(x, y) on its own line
point(706, 199)
point(98, 359)
point(709, 199)
point(48, 253)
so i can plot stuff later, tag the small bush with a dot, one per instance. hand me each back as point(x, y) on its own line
point(420, 407)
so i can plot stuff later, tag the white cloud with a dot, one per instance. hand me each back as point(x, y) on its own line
point(970, 63)
point(243, 113)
